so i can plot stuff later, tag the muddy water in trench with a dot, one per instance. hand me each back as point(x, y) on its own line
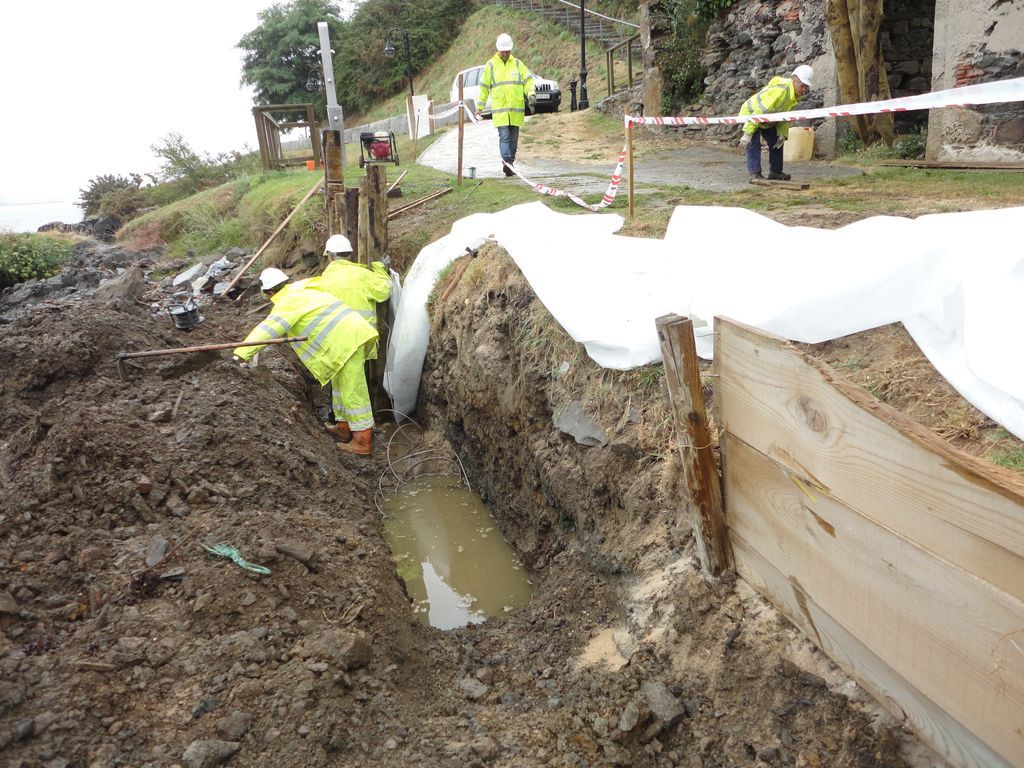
point(456, 565)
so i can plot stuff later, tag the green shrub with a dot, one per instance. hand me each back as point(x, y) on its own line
point(682, 71)
point(912, 146)
point(25, 256)
point(848, 144)
point(90, 199)
point(122, 203)
point(708, 9)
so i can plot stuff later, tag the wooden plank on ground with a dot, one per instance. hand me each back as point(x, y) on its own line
point(839, 439)
point(956, 641)
point(795, 185)
point(953, 165)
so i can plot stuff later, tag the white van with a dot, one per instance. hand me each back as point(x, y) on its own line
point(549, 95)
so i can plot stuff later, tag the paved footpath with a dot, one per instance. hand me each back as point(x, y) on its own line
point(705, 167)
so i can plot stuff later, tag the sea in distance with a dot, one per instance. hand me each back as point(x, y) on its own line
point(28, 217)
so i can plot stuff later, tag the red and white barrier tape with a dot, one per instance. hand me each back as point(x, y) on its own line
point(452, 110)
point(965, 96)
point(607, 199)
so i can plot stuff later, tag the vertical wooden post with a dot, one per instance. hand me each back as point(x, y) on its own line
point(373, 214)
point(414, 122)
point(629, 64)
point(373, 244)
point(351, 221)
point(609, 65)
point(334, 174)
point(686, 397)
point(462, 127)
point(379, 398)
point(261, 138)
point(314, 135)
point(629, 163)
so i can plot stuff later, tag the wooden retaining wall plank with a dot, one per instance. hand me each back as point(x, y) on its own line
point(935, 726)
point(956, 641)
point(879, 462)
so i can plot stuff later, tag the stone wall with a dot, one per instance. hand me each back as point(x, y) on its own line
point(907, 37)
point(927, 45)
point(747, 45)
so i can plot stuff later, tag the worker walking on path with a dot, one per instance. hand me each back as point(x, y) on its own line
point(781, 94)
point(510, 85)
point(333, 351)
point(359, 287)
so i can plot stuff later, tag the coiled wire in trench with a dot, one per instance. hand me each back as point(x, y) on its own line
point(415, 461)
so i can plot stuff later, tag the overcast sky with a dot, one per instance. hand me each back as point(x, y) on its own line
point(88, 87)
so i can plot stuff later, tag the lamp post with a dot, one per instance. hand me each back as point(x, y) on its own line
point(389, 50)
point(583, 103)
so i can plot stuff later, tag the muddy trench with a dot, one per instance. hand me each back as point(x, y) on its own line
point(124, 643)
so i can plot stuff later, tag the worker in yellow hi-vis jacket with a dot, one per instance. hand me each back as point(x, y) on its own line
point(333, 351)
point(359, 287)
point(510, 85)
point(780, 95)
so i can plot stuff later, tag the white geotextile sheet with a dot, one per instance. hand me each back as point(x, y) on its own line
point(955, 280)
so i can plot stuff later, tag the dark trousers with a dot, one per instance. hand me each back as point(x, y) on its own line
point(770, 136)
point(508, 142)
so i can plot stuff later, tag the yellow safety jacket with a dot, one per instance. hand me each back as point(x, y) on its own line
point(335, 331)
point(359, 287)
point(778, 96)
point(508, 83)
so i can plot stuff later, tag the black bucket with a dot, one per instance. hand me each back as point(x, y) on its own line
point(185, 316)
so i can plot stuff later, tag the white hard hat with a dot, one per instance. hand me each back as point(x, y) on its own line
point(804, 74)
point(272, 277)
point(504, 42)
point(338, 244)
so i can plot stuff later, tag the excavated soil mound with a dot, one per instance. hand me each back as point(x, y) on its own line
point(123, 642)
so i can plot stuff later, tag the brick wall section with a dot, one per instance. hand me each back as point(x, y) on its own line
point(977, 42)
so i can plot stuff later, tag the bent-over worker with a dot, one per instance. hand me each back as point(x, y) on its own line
point(332, 353)
point(780, 95)
point(510, 85)
point(359, 287)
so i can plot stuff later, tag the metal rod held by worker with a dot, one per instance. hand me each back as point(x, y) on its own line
point(207, 347)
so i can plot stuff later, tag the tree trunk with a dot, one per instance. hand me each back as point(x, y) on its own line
point(838, 17)
point(874, 85)
point(854, 27)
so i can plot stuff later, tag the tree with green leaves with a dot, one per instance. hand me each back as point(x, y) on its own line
point(284, 49)
point(91, 199)
point(360, 64)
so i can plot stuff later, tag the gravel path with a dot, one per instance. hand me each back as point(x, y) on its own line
point(705, 167)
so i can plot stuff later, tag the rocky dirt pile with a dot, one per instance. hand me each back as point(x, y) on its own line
point(124, 643)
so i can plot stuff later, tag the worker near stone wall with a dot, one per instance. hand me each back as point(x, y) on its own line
point(781, 94)
point(334, 351)
point(359, 287)
point(510, 85)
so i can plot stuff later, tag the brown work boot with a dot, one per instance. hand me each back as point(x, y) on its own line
point(779, 176)
point(339, 430)
point(361, 444)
